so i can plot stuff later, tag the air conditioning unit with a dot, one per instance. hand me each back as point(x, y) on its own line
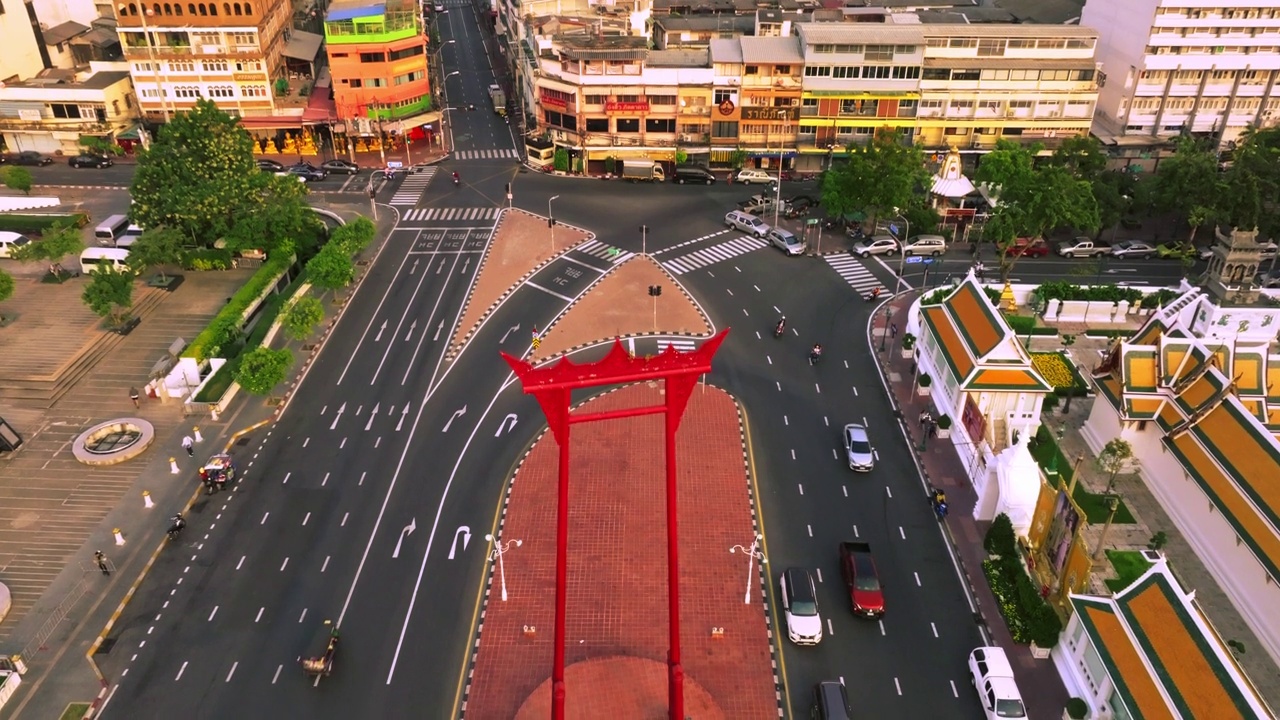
point(1055, 113)
point(733, 81)
point(1010, 112)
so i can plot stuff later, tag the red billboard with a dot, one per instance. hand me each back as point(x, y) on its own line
point(627, 106)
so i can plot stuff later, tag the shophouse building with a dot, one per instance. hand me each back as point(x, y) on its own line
point(1169, 67)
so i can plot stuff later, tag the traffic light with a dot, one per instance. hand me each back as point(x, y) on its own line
point(655, 290)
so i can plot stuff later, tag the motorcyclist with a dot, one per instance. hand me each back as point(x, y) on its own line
point(176, 523)
point(456, 179)
point(815, 353)
point(874, 294)
point(780, 327)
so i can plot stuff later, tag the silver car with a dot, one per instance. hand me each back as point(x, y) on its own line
point(785, 241)
point(857, 448)
point(876, 245)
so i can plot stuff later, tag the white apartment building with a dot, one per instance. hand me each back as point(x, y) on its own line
point(1206, 67)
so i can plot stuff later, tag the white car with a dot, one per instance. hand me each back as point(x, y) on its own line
point(876, 245)
point(785, 241)
point(857, 448)
point(800, 607)
point(934, 245)
point(992, 676)
point(11, 241)
point(747, 177)
point(1133, 250)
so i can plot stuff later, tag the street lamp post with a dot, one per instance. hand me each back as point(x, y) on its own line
point(444, 94)
point(644, 239)
point(551, 222)
point(753, 553)
point(902, 243)
point(888, 319)
point(500, 549)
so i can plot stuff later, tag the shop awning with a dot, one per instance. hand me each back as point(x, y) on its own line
point(414, 121)
point(271, 122)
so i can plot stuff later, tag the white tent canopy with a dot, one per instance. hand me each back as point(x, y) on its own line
point(12, 203)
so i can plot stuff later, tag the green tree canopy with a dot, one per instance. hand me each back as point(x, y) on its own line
point(878, 177)
point(301, 318)
point(109, 294)
point(1253, 183)
point(6, 286)
point(198, 176)
point(262, 369)
point(1189, 183)
point(60, 240)
point(1083, 156)
point(331, 268)
point(276, 222)
point(156, 248)
point(17, 178)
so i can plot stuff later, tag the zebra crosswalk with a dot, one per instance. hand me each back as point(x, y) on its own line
point(450, 213)
point(681, 345)
point(614, 255)
point(854, 272)
point(496, 154)
point(714, 254)
point(411, 187)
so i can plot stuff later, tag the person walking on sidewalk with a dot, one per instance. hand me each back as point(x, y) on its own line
point(101, 560)
point(133, 395)
point(189, 445)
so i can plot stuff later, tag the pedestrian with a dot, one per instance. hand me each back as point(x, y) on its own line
point(933, 428)
point(924, 417)
point(189, 445)
point(133, 395)
point(101, 560)
point(893, 330)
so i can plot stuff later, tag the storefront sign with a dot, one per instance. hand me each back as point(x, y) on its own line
point(556, 103)
point(726, 107)
point(771, 113)
point(626, 106)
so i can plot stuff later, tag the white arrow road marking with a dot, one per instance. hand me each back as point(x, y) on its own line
point(465, 532)
point(414, 268)
point(412, 326)
point(466, 263)
point(372, 415)
point(512, 329)
point(439, 329)
point(378, 337)
point(441, 268)
point(403, 413)
point(338, 416)
point(504, 426)
point(407, 530)
point(456, 415)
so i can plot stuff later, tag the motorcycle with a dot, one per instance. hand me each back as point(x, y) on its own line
point(456, 180)
point(815, 354)
point(780, 328)
point(175, 527)
point(938, 500)
point(873, 295)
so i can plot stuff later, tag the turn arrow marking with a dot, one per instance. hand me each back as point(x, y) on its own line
point(405, 532)
point(465, 532)
point(338, 416)
point(456, 415)
point(504, 427)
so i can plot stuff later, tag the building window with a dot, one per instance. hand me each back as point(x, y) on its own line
point(782, 70)
point(662, 99)
point(186, 91)
point(407, 78)
point(959, 43)
point(253, 90)
point(824, 48)
point(353, 82)
point(627, 125)
point(65, 111)
point(991, 47)
point(221, 91)
point(660, 125)
point(724, 129)
point(406, 52)
point(595, 100)
point(724, 95)
point(907, 108)
point(568, 121)
point(751, 70)
point(878, 53)
point(215, 66)
point(876, 72)
point(373, 57)
point(847, 71)
point(244, 38)
point(935, 74)
point(906, 72)
point(817, 71)
point(249, 66)
point(598, 125)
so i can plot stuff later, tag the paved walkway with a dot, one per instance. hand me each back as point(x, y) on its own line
point(617, 574)
point(1038, 680)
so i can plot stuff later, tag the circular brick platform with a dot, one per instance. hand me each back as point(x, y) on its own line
point(630, 687)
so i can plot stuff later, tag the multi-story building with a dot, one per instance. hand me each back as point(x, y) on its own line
point(231, 53)
point(378, 60)
point(756, 99)
point(51, 116)
point(1171, 67)
point(24, 52)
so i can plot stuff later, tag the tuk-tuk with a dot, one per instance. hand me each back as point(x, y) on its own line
point(325, 645)
point(217, 473)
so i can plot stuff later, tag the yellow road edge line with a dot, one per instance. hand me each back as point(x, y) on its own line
point(764, 546)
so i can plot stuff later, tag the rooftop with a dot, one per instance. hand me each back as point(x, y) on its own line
point(59, 34)
point(771, 50)
point(351, 9)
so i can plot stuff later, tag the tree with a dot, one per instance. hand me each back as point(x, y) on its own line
point(156, 248)
point(355, 236)
point(99, 145)
point(1189, 183)
point(331, 268)
point(18, 178)
point(1113, 191)
point(109, 294)
point(198, 177)
point(882, 175)
point(276, 221)
point(262, 368)
point(1032, 200)
point(6, 287)
point(1083, 156)
point(60, 240)
point(1255, 166)
point(301, 318)
point(1115, 454)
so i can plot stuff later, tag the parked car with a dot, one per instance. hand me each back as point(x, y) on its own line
point(10, 241)
point(992, 676)
point(860, 575)
point(1027, 247)
point(287, 173)
point(876, 245)
point(308, 173)
point(90, 160)
point(1133, 250)
point(857, 448)
point(1176, 251)
point(747, 177)
point(270, 165)
point(785, 241)
point(925, 245)
point(746, 222)
point(1268, 251)
point(1083, 247)
point(30, 157)
point(345, 167)
point(800, 607)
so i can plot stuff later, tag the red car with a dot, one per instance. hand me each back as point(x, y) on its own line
point(1027, 247)
point(859, 571)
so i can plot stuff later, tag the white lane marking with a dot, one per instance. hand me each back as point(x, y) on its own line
point(233, 670)
point(276, 677)
point(306, 519)
point(902, 533)
point(259, 617)
point(180, 671)
point(242, 557)
point(283, 564)
point(917, 579)
point(365, 334)
point(215, 612)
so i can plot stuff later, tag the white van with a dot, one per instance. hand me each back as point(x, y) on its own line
point(115, 258)
point(110, 230)
point(11, 240)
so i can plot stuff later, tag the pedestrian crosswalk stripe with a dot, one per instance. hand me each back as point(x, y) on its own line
point(494, 154)
point(595, 248)
point(854, 272)
point(681, 345)
point(451, 213)
point(707, 256)
point(411, 188)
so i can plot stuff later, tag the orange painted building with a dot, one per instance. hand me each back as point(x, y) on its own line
point(378, 61)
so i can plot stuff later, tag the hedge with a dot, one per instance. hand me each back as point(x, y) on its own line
point(1029, 616)
point(39, 223)
point(1062, 290)
point(206, 259)
point(226, 325)
point(1109, 334)
point(1026, 324)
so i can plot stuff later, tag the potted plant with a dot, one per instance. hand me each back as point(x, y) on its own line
point(922, 384)
point(1077, 709)
point(944, 426)
point(908, 345)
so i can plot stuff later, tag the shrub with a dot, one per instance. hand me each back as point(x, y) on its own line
point(1000, 539)
point(944, 422)
point(1077, 709)
point(1160, 298)
point(1062, 290)
point(204, 259)
point(39, 223)
point(924, 380)
point(908, 341)
point(226, 325)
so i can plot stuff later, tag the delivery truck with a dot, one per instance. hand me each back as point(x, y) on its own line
point(643, 170)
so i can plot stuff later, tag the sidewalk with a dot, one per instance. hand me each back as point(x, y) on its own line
point(1042, 689)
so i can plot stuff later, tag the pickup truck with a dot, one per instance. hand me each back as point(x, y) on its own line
point(1083, 247)
point(761, 205)
point(859, 570)
point(992, 676)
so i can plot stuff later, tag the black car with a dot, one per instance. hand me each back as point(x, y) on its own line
point(340, 166)
point(30, 157)
point(270, 165)
point(90, 160)
point(303, 165)
point(308, 173)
